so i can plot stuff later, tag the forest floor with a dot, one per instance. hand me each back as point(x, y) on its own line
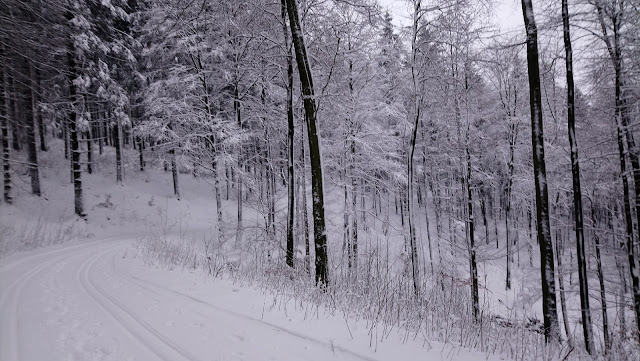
point(76, 290)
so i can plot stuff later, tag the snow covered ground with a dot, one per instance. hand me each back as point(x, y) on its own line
point(98, 300)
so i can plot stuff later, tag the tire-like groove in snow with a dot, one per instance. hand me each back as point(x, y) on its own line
point(10, 297)
point(133, 325)
point(10, 348)
point(145, 285)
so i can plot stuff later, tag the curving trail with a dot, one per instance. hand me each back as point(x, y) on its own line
point(96, 301)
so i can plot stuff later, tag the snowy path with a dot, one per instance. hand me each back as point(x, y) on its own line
point(94, 302)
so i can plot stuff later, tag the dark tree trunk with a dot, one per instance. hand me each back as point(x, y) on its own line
point(117, 135)
point(41, 127)
point(4, 104)
point(577, 191)
point(141, 153)
point(15, 114)
point(29, 105)
point(174, 173)
point(547, 269)
point(603, 297)
point(305, 215)
point(218, 195)
point(75, 151)
point(563, 301)
point(426, 212)
point(100, 131)
point(89, 152)
point(354, 217)
point(513, 137)
point(353, 129)
point(317, 191)
point(65, 136)
point(240, 171)
point(473, 267)
point(417, 107)
point(291, 126)
point(483, 210)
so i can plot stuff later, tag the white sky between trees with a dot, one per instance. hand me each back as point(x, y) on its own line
point(508, 14)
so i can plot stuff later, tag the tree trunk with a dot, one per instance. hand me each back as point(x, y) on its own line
point(549, 303)
point(603, 297)
point(30, 122)
point(65, 135)
point(563, 302)
point(38, 109)
point(426, 214)
point(100, 131)
point(218, 194)
point(577, 191)
point(15, 119)
point(513, 136)
point(354, 217)
point(141, 153)
point(117, 133)
point(415, 270)
point(89, 152)
point(508, 243)
point(473, 267)
point(353, 251)
point(174, 173)
point(74, 146)
point(239, 171)
point(483, 210)
point(303, 194)
point(291, 134)
point(317, 191)
point(4, 104)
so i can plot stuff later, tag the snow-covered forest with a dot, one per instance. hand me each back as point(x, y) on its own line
point(319, 179)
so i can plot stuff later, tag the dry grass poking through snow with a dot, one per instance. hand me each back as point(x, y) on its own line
point(383, 299)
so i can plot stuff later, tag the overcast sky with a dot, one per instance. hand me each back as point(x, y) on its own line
point(508, 13)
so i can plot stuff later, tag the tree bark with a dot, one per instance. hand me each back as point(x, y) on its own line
point(239, 171)
point(74, 146)
point(306, 80)
point(4, 104)
point(577, 191)
point(141, 153)
point(549, 302)
point(473, 267)
point(174, 173)
point(15, 119)
point(30, 122)
point(290, 134)
point(117, 134)
point(89, 152)
point(513, 137)
point(303, 194)
point(603, 297)
point(563, 302)
point(38, 109)
point(415, 270)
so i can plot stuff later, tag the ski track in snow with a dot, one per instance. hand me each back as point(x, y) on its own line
point(81, 302)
